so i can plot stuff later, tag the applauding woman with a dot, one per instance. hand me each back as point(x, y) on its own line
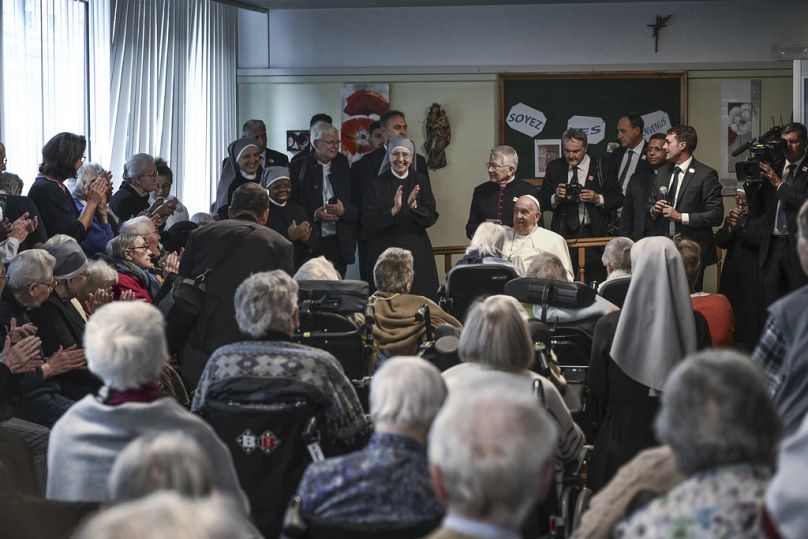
point(398, 207)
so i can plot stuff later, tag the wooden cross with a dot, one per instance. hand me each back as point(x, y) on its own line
point(657, 26)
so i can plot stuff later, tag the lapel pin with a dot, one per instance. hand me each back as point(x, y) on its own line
point(804, 169)
point(692, 171)
point(589, 178)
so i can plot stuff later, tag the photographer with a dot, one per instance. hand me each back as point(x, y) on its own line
point(582, 191)
point(773, 207)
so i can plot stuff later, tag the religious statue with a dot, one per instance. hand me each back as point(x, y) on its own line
point(438, 136)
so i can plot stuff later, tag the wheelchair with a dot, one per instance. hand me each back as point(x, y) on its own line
point(328, 314)
point(467, 282)
point(615, 290)
point(270, 426)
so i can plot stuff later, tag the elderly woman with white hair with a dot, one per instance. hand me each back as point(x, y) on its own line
point(396, 330)
point(131, 257)
point(723, 429)
point(132, 196)
point(495, 344)
point(267, 314)
point(397, 208)
point(105, 224)
point(387, 483)
point(616, 259)
point(243, 165)
point(125, 346)
point(635, 349)
point(486, 248)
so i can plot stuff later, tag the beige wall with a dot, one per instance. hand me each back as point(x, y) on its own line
point(471, 104)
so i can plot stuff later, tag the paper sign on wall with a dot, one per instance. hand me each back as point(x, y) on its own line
point(655, 122)
point(593, 126)
point(526, 120)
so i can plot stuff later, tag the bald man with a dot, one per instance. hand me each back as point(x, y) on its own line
point(526, 239)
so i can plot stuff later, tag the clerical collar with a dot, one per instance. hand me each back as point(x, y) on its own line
point(506, 182)
point(277, 203)
point(248, 176)
point(400, 177)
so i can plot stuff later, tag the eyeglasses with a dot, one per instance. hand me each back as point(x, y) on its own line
point(50, 284)
point(329, 142)
point(139, 247)
point(495, 165)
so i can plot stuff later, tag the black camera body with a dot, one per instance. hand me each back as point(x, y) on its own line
point(573, 192)
point(768, 148)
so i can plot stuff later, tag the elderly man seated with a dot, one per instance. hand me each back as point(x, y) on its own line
point(548, 266)
point(723, 428)
point(527, 239)
point(490, 457)
point(397, 331)
point(267, 314)
point(125, 345)
point(386, 484)
point(617, 259)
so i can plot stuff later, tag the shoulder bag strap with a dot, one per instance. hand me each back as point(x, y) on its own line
point(201, 278)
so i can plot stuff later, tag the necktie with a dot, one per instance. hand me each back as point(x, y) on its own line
point(499, 201)
point(781, 224)
point(624, 174)
point(573, 219)
point(674, 186)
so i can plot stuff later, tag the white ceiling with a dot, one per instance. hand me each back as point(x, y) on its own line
point(265, 5)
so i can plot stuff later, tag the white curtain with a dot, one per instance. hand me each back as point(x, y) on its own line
point(173, 89)
point(44, 77)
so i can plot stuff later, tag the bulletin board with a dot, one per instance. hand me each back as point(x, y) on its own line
point(535, 109)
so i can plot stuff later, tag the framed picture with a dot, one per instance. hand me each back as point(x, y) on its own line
point(545, 150)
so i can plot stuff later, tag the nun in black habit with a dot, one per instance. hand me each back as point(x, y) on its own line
point(397, 208)
point(287, 217)
point(243, 165)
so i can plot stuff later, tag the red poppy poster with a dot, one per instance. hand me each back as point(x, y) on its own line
point(362, 104)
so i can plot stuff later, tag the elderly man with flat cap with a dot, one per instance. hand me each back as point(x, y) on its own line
point(525, 240)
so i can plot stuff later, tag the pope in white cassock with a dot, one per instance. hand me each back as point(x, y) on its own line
point(526, 239)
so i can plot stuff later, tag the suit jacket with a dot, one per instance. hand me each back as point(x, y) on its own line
point(484, 203)
point(698, 195)
point(307, 190)
point(763, 198)
point(275, 159)
point(599, 178)
point(616, 158)
point(262, 249)
point(635, 222)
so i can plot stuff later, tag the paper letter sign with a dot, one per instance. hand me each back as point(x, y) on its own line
point(526, 120)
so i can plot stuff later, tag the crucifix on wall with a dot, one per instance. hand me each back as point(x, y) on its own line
point(657, 26)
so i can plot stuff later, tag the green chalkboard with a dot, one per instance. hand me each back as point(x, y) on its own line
point(594, 101)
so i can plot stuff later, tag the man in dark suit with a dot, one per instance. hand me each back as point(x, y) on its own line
point(477, 447)
point(367, 168)
point(495, 199)
point(630, 158)
point(773, 208)
point(692, 205)
point(321, 183)
point(582, 192)
point(269, 157)
point(634, 219)
point(228, 252)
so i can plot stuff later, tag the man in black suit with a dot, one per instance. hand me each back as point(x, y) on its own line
point(228, 252)
point(495, 199)
point(582, 191)
point(269, 157)
point(631, 156)
point(634, 219)
point(321, 183)
point(773, 208)
point(692, 205)
point(367, 168)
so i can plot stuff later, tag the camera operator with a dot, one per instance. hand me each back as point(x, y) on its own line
point(582, 191)
point(773, 207)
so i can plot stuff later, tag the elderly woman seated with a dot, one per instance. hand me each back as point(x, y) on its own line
point(549, 266)
point(125, 346)
point(397, 331)
point(495, 343)
point(29, 283)
point(267, 314)
point(321, 269)
point(387, 483)
point(131, 257)
point(486, 248)
point(58, 321)
point(723, 429)
point(104, 225)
